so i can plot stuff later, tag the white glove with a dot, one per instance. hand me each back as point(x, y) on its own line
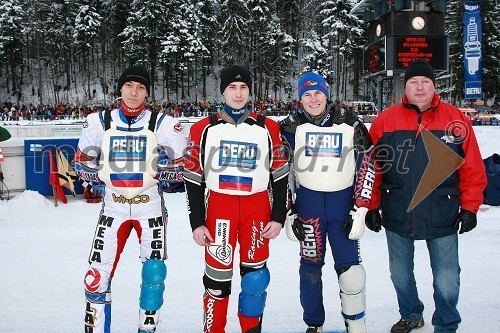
point(354, 225)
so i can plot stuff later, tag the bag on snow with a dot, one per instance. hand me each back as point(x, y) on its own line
point(492, 191)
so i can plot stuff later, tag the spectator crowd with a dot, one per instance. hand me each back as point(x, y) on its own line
point(15, 112)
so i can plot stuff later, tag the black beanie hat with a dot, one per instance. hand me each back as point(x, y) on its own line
point(235, 73)
point(137, 74)
point(419, 67)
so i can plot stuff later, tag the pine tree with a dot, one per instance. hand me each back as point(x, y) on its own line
point(86, 34)
point(490, 13)
point(143, 35)
point(183, 44)
point(58, 28)
point(234, 31)
point(339, 30)
point(208, 24)
point(114, 23)
point(11, 40)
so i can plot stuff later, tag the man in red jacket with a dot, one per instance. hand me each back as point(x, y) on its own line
point(429, 184)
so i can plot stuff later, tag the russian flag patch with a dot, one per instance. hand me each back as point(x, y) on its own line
point(236, 183)
point(126, 179)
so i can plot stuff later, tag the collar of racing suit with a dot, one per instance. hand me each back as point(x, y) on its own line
point(234, 116)
point(319, 120)
point(128, 111)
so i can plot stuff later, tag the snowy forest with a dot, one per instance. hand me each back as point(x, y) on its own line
point(72, 51)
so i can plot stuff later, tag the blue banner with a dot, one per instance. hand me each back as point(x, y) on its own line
point(473, 59)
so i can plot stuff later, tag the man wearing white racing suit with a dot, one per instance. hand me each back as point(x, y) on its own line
point(120, 148)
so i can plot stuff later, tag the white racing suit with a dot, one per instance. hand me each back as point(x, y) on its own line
point(132, 199)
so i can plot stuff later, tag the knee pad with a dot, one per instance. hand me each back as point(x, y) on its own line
point(154, 273)
point(253, 294)
point(217, 289)
point(352, 292)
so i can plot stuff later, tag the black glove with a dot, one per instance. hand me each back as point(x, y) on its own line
point(294, 225)
point(373, 220)
point(466, 220)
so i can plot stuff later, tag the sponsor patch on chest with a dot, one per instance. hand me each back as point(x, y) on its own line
point(127, 148)
point(238, 154)
point(323, 144)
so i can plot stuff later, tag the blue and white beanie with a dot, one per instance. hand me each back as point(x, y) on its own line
point(312, 81)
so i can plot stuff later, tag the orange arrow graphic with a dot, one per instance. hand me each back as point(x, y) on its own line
point(442, 163)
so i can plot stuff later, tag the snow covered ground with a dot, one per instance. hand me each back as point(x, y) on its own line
point(45, 249)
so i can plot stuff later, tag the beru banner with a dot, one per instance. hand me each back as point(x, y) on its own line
point(473, 59)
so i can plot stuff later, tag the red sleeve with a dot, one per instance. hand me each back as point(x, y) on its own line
point(376, 133)
point(279, 173)
point(193, 175)
point(279, 157)
point(192, 158)
point(472, 173)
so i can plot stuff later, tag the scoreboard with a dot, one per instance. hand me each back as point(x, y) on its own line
point(396, 52)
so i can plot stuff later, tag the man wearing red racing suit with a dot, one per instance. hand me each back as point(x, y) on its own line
point(239, 157)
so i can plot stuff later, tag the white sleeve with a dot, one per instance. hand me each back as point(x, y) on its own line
point(170, 136)
point(91, 137)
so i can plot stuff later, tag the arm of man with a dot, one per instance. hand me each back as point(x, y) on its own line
point(354, 225)
point(89, 146)
point(279, 173)
point(472, 173)
point(193, 179)
point(472, 182)
point(172, 142)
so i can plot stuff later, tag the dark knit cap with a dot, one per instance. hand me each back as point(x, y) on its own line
point(419, 67)
point(137, 74)
point(232, 74)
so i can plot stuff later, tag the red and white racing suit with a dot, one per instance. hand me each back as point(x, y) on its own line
point(245, 169)
point(144, 212)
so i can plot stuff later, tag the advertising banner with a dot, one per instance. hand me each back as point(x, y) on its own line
point(473, 60)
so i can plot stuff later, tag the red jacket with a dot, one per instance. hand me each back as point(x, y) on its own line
point(402, 158)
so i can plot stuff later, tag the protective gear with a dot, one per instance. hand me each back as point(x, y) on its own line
point(87, 170)
point(293, 227)
point(154, 273)
point(466, 220)
point(170, 174)
point(355, 326)
point(352, 292)
point(132, 153)
point(373, 220)
point(354, 225)
point(236, 148)
point(148, 320)
point(253, 293)
point(319, 161)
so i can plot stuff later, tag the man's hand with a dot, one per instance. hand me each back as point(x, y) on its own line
point(202, 236)
point(466, 220)
point(293, 227)
point(354, 225)
point(272, 230)
point(373, 220)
